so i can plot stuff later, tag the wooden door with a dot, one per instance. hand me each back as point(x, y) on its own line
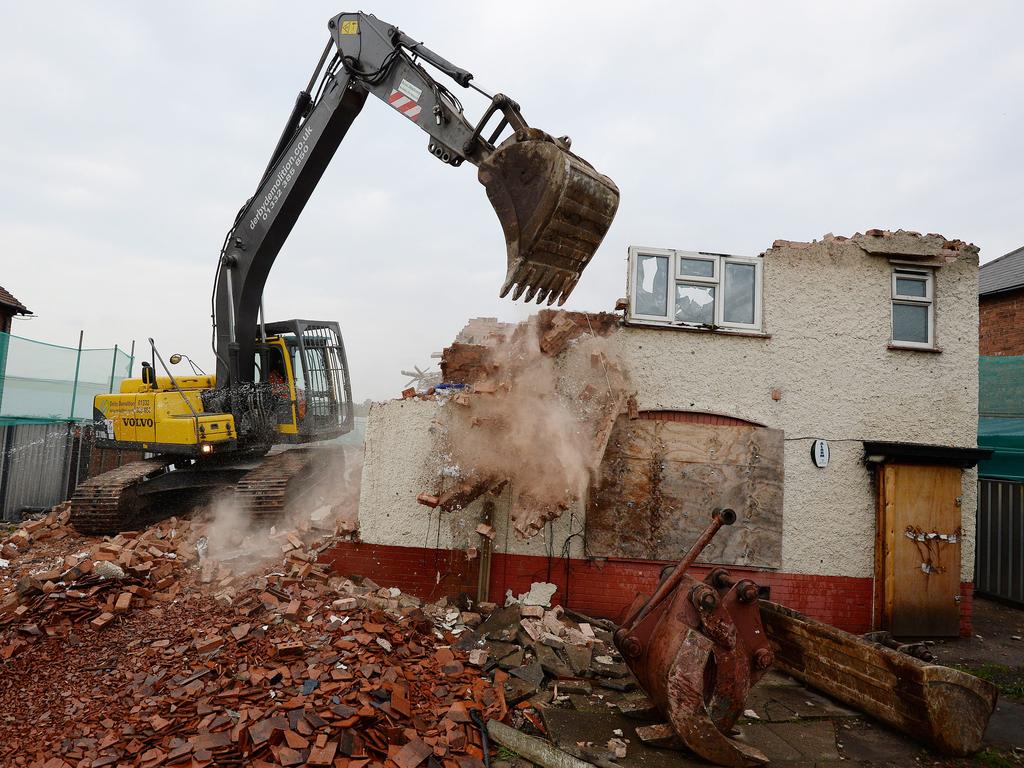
point(918, 550)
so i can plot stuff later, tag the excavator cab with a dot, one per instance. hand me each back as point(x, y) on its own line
point(303, 366)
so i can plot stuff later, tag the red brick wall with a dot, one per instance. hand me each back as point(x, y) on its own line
point(693, 417)
point(426, 573)
point(605, 588)
point(600, 588)
point(1001, 324)
point(966, 607)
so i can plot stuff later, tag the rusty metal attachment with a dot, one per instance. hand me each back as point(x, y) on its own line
point(697, 648)
point(554, 209)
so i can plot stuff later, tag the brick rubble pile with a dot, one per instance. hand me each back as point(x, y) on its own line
point(143, 650)
point(136, 651)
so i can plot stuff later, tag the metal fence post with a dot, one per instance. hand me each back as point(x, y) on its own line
point(5, 342)
point(113, 365)
point(74, 387)
point(69, 442)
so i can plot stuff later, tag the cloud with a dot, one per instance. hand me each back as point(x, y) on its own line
point(134, 132)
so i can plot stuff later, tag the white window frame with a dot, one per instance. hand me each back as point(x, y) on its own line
point(676, 277)
point(928, 300)
point(634, 266)
point(681, 278)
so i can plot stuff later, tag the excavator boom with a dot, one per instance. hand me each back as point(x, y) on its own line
point(553, 207)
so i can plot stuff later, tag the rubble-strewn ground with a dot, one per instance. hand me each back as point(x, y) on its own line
point(138, 651)
point(161, 647)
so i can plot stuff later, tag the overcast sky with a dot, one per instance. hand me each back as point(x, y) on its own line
point(132, 132)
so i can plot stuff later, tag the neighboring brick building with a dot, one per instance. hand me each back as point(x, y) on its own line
point(1001, 305)
point(9, 307)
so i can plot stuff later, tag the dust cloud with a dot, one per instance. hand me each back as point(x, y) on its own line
point(538, 419)
point(233, 539)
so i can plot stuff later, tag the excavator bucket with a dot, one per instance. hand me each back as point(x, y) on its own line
point(697, 647)
point(554, 209)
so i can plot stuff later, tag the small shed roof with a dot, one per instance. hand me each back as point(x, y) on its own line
point(1003, 274)
point(7, 300)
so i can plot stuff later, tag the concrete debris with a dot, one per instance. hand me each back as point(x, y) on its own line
point(105, 569)
point(617, 747)
point(540, 594)
point(930, 248)
point(535, 750)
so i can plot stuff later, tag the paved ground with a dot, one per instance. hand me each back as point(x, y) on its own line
point(795, 726)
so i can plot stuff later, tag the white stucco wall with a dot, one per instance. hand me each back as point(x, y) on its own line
point(826, 318)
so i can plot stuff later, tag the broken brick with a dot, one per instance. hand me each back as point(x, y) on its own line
point(102, 620)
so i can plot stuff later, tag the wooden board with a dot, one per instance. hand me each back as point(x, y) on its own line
point(659, 481)
point(919, 560)
point(942, 706)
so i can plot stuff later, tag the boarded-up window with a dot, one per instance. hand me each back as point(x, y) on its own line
point(659, 481)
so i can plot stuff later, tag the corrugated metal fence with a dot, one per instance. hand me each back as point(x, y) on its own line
point(34, 467)
point(999, 547)
point(41, 464)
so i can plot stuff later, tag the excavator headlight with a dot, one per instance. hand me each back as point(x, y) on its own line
point(206, 448)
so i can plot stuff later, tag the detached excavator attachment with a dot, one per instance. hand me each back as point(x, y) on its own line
point(554, 209)
point(697, 648)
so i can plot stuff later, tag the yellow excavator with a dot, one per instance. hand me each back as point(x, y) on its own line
point(287, 382)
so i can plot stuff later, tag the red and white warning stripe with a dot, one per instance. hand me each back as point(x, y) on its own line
point(404, 104)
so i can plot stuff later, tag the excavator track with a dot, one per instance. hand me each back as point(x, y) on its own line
point(108, 503)
point(284, 480)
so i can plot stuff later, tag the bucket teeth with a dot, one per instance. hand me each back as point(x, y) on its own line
point(545, 285)
point(566, 288)
point(518, 291)
point(510, 280)
point(556, 291)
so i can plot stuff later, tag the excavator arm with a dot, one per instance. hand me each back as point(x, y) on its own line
point(554, 208)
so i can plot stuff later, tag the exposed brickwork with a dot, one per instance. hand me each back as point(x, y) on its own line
point(105, 459)
point(1001, 324)
point(425, 573)
point(604, 588)
point(691, 417)
point(601, 588)
point(966, 608)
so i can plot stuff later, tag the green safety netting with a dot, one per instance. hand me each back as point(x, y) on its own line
point(1001, 416)
point(42, 382)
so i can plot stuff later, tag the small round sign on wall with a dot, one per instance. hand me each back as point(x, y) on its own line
point(819, 453)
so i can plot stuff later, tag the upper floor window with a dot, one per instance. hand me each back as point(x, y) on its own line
point(913, 307)
point(694, 289)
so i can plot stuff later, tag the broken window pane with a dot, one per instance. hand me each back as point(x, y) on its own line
point(697, 267)
point(739, 293)
point(910, 323)
point(695, 304)
point(911, 287)
point(651, 285)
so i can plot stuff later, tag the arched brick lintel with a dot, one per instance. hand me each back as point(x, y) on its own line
point(697, 417)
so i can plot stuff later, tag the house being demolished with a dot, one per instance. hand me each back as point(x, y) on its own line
point(816, 389)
